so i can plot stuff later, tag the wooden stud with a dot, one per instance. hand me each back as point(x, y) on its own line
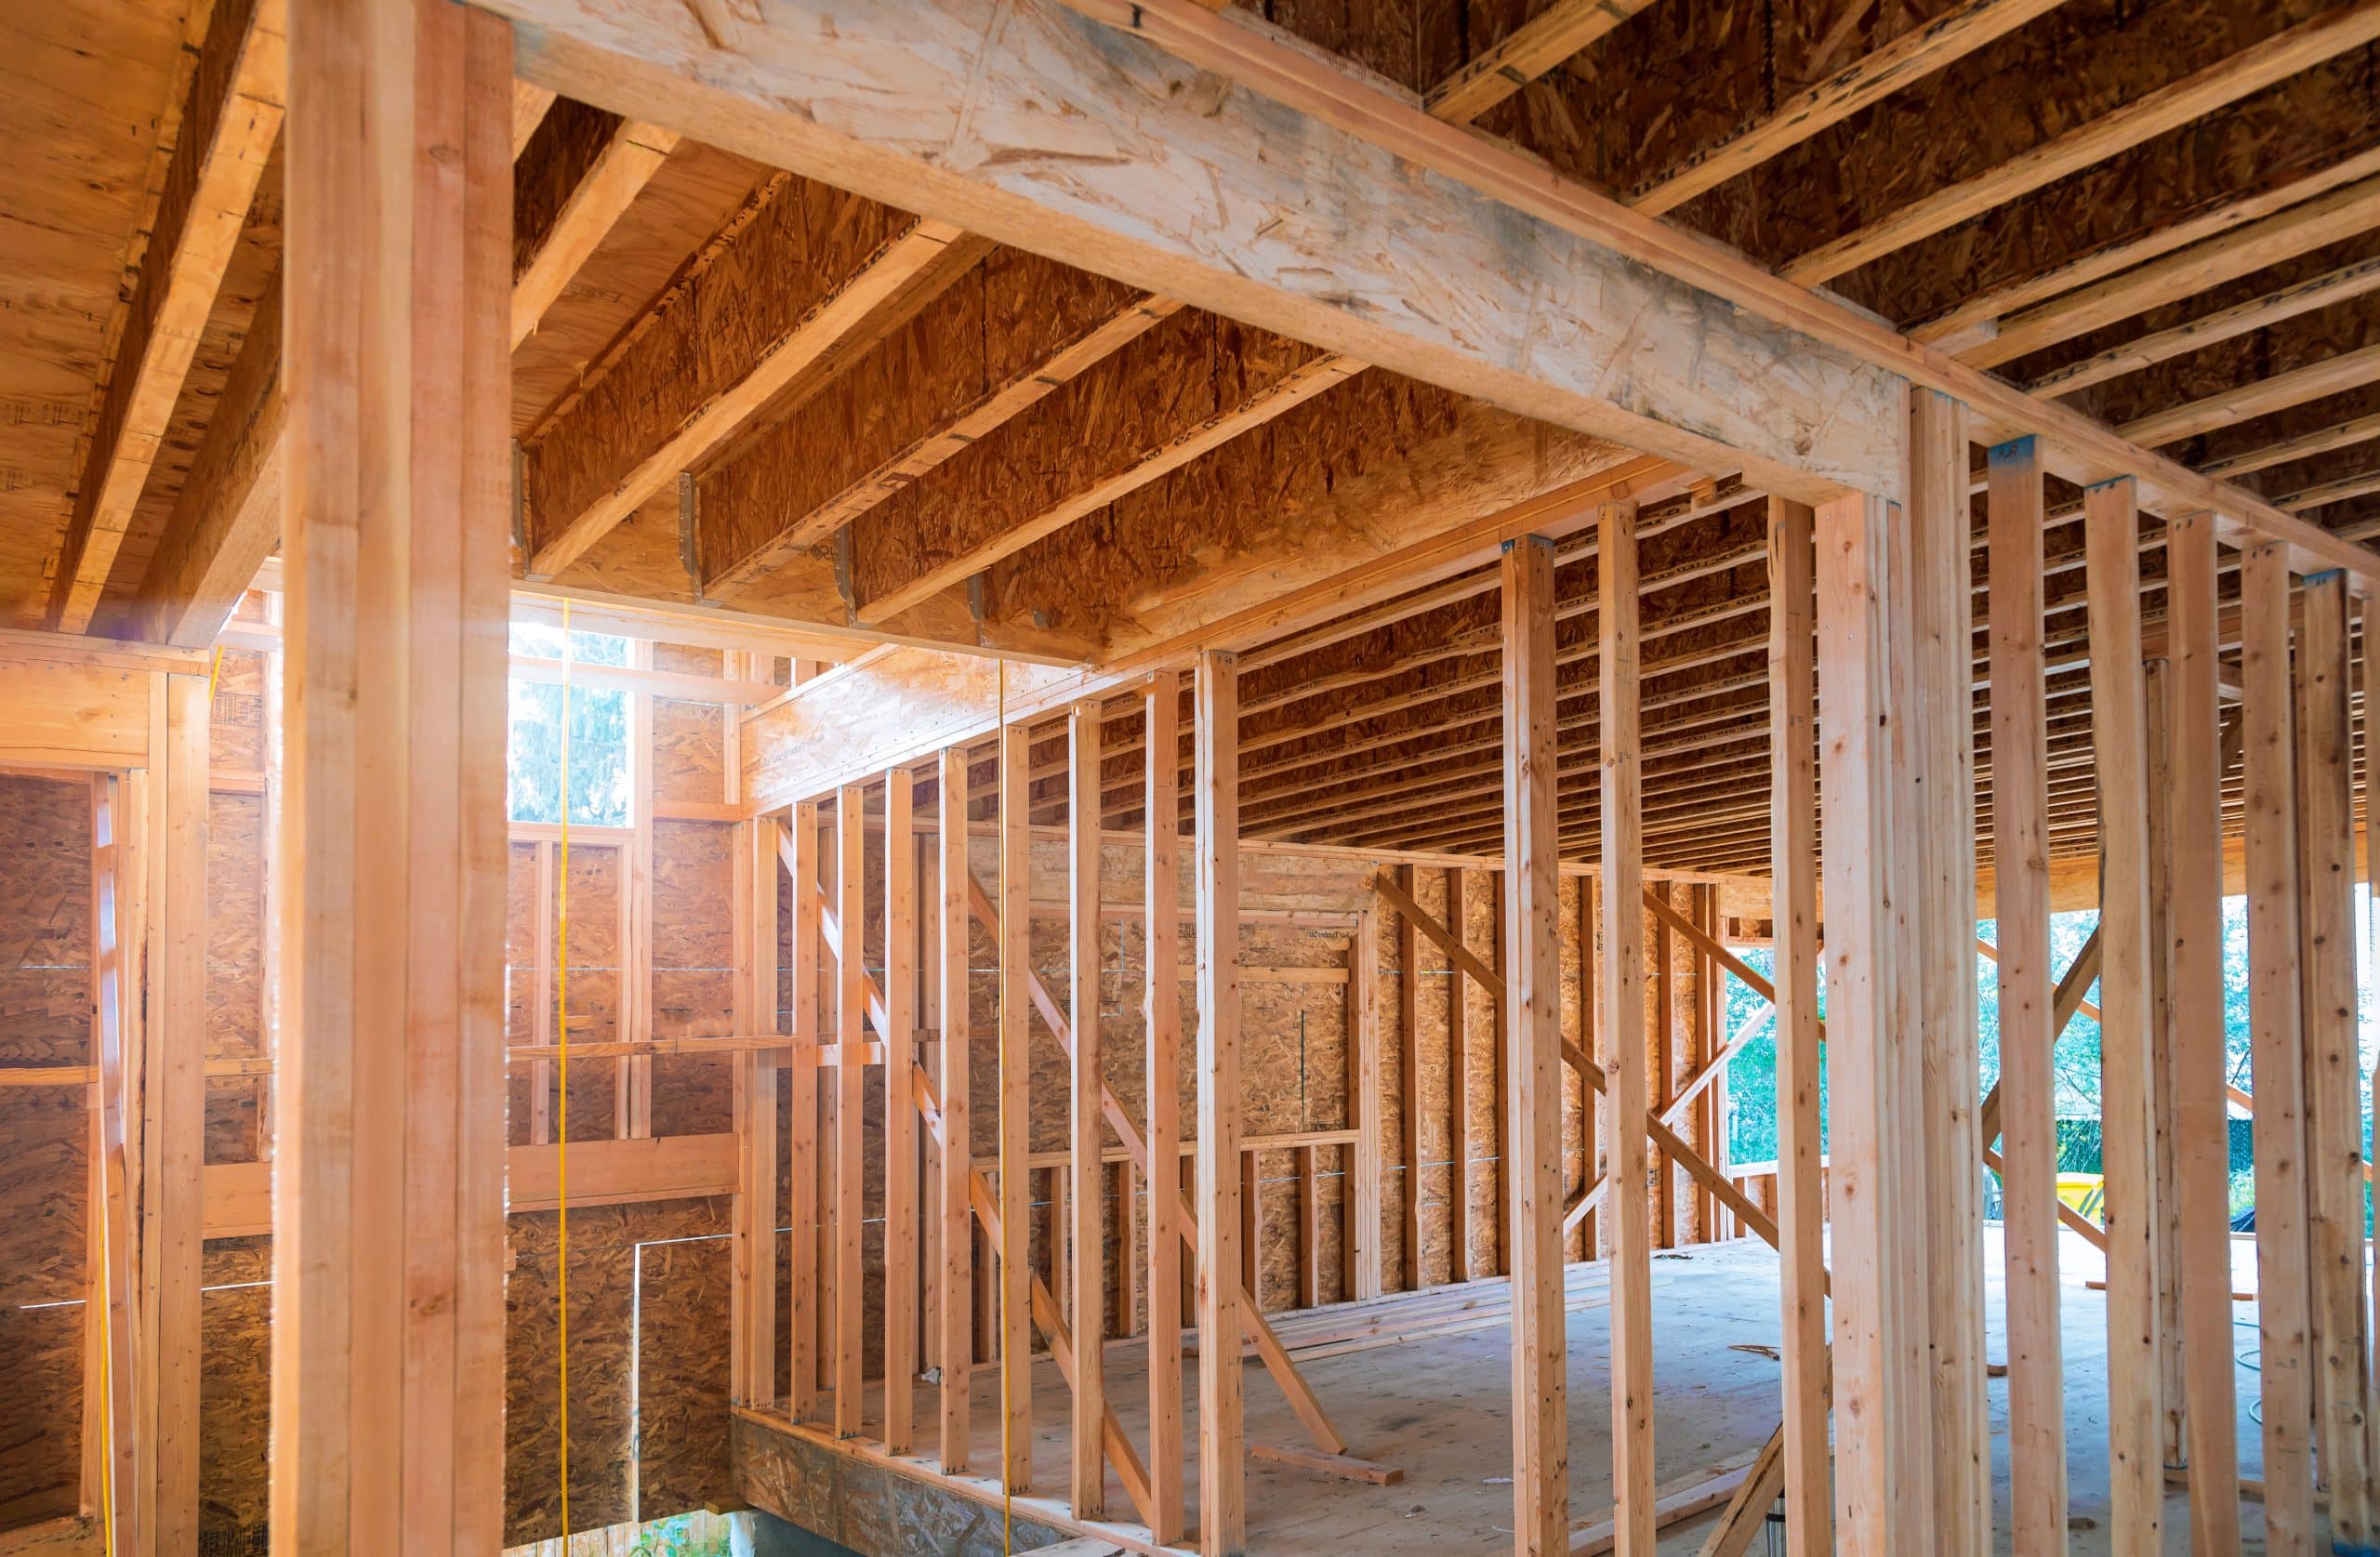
point(2334, 1162)
point(2028, 1080)
point(753, 1369)
point(799, 844)
point(1222, 1445)
point(1533, 1058)
point(2120, 746)
point(1309, 1227)
point(900, 1109)
point(954, 1242)
point(1086, 1133)
point(1592, 1105)
point(1623, 1011)
point(850, 1108)
point(1801, 1212)
point(1128, 1250)
point(1881, 1482)
point(2284, 1314)
point(1458, 1094)
point(2157, 694)
point(1942, 604)
point(1014, 931)
point(1361, 1246)
point(389, 1325)
point(1252, 1227)
point(1161, 1009)
point(2370, 732)
point(1408, 1039)
point(1660, 1037)
point(2194, 917)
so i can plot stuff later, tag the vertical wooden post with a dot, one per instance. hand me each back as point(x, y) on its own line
point(1593, 1106)
point(2119, 747)
point(2370, 702)
point(799, 847)
point(1087, 1136)
point(2028, 1079)
point(635, 1079)
point(1533, 1058)
point(900, 1109)
point(388, 1376)
point(2194, 913)
point(2284, 1311)
point(1408, 1040)
point(1940, 538)
point(1309, 1226)
point(1161, 1007)
point(754, 1366)
point(1015, 1318)
point(851, 1083)
point(1458, 1094)
point(2158, 694)
point(1793, 856)
point(1222, 1470)
point(1619, 762)
point(1361, 1250)
point(955, 1239)
point(1882, 1482)
point(2333, 1064)
point(1660, 1037)
point(1252, 1227)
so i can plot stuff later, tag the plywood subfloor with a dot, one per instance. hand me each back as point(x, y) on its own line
point(1439, 1408)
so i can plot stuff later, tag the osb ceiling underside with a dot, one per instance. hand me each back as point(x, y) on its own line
point(999, 451)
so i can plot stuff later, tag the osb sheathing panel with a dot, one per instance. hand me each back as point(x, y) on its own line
point(688, 748)
point(694, 978)
point(520, 992)
point(602, 1315)
point(46, 921)
point(681, 1375)
point(236, 868)
point(561, 152)
point(235, 729)
point(44, 1256)
point(234, 1421)
point(594, 987)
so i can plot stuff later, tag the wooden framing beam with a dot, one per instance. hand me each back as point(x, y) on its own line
point(1012, 932)
point(226, 517)
point(807, 1209)
point(228, 124)
point(1086, 1129)
point(2335, 1173)
point(1527, 52)
point(119, 1414)
point(389, 1234)
point(901, 1189)
point(1801, 1208)
point(622, 164)
point(1222, 1447)
point(1881, 1482)
point(2343, 284)
point(954, 1244)
point(813, 275)
point(846, 1335)
point(1533, 1061)
point(2332, 375)
point(2120, 746)
point(1409, 1039)
point(2020, 908)
point(1362, 1246)
point(1161, 1010)
point(753, 1369)
point(1623, 1010)
point(1459, 1152)
point(2275, 1054)
point(2347, 28)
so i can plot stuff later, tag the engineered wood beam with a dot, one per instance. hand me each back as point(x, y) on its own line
point(1909, 59)
point(1012, 934)
point(2332, 286)
point(2335, 1160)
point(1533, 1059)
point(606, 164)
point(1222, 1469)
point(1161, 1013)
point(2020, 908)
point(389, 1254)
point(2305, 446)
point(811, 278)
point(955, 1245)
point(2275, 1054)
point(1086, 1130)
point(1171, 235)
point(1553, 35)
point(2252, 69)
point(226, 517)
point(2119, 750)
point(229, 124)
point(1881, 1484)
point(531, 103)
point(1624, 1013)
point(1801, 1207)
point(2306, 220)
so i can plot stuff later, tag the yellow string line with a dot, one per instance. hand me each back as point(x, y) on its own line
point(561, 1137)
point(1008, 1479)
